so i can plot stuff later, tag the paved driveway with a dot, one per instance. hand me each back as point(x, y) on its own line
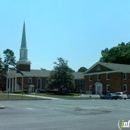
point(63, 114)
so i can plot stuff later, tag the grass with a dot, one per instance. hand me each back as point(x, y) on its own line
point(17, 97)
point(70, 96)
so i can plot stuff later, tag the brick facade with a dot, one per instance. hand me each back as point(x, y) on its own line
point(110, 80)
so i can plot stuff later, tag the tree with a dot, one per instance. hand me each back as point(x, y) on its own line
point(9, 59)
point(61, 77)
point(82, 69)
point(119, 54)
point(2, 77)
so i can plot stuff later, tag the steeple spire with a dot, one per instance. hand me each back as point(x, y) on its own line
point(23, 42)
point(23, 63)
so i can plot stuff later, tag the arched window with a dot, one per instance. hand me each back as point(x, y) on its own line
point(39, 83)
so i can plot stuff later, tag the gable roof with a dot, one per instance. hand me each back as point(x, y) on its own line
point(41, 73)
point(112, 66)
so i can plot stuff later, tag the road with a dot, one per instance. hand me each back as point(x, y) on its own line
point(63, 114)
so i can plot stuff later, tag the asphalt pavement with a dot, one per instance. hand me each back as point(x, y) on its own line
point(63, 114)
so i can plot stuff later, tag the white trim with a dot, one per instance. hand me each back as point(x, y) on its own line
point(90, 78)
point(108, 85)
point(29, 80)
point(125, 76)
point(98, 88)
point(107, 76)
point(93, 73)
point(38, 88)
point(90, 87)
point(98, 77)
point(125, 85)
point(98, 68)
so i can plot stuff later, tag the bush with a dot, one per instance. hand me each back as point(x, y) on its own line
point(18, 91)
point(41, 91)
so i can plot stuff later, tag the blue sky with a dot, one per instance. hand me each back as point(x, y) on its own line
point(76, 30)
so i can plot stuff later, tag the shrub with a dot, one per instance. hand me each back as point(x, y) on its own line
point(18, 91)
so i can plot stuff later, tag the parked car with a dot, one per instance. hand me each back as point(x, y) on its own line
point(108, 96)
point(128, 96)
point(121, 95)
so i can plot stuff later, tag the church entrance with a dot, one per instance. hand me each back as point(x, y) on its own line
point(98, 88)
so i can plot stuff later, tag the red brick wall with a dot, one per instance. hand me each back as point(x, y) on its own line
point(24, 67)
point(116, 82)
point(34, 81)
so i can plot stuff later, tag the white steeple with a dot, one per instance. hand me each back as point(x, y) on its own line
point(23, 50)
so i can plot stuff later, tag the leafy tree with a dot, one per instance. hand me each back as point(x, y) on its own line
point(82, 69)
point(61, 77)
point(2, 76)
point(119, 54)
point(9, 59)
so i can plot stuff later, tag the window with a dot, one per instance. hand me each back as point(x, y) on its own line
point(90, 87)
point(75, 81)
point(98, 68)
point(82, 81)
point(39, 83)
point(125, 88)
point(29, 80)
point(79, 81)
point(46, 81)
point(90, 77)
point(108, 88)
point(98, 77)
point(125, 77)
point(107, 76)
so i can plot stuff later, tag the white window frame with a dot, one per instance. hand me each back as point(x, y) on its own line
point(98, 79)
point(90, 87)
point(90, 78)
point(29, 80)
point(98, 68)
point(108, 85)
point(124, 76)
point(39, 88)
point(107, 76)
point(125, 85)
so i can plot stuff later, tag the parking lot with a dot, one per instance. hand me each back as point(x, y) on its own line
point(62, 114)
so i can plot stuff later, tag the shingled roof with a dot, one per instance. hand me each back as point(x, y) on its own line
point(41, 73)
point(113, 66)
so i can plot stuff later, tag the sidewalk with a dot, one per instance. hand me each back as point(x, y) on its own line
point(90, 96)
point(2, 107)
point(43, 97)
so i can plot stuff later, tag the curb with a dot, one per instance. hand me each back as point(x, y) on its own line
point(2, 107)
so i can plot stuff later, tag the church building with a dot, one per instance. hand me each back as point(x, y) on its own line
point(34, 80)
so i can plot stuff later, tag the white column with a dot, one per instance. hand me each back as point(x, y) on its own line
point(22, 83)
point(9, 84)
point(12, 84)
point(15, 83)
point(6, 84)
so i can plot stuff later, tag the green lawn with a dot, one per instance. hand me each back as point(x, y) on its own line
point(17, 97)
point(68, 96)
point(71, 96)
